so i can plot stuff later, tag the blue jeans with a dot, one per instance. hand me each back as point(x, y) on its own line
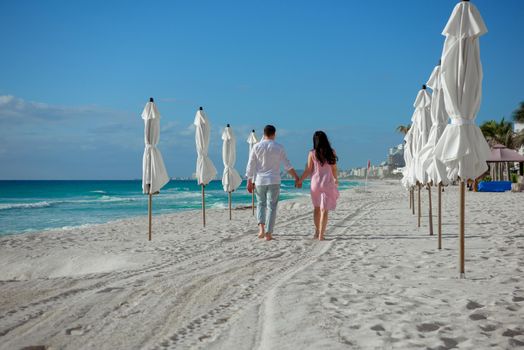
point(267, 198)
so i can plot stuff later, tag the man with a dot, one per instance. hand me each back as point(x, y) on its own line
point(264, 166)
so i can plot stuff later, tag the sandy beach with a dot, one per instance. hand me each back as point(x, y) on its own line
point(377, 282)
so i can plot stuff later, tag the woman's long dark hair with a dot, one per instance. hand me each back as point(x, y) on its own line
point(323, 150)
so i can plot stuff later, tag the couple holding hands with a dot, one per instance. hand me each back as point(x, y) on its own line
point(263, 168)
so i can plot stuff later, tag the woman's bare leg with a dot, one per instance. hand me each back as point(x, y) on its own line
point(323, 224)
point(316, 219)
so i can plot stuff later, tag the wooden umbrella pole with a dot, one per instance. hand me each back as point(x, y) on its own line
point(229, 205)
point(419, 208)
point(410, 199)
point(462, 214)
point(203, 206)
point(430, 212)
point(150, 213)
point(413, 200)
point(440, 216)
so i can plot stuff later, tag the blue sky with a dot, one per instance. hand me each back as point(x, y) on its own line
point(75, 75)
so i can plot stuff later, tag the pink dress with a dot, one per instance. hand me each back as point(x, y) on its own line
point(324, 191)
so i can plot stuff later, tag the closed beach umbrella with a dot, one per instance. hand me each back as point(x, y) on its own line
point(154, 174)
point(408, 141)
point(424, 124)
point(422, 121)
point(205, 170)
point(435, 169)
point(421, 125)
point(230, 178)
point(407, 178)
point(462, 147)
point(252, 140)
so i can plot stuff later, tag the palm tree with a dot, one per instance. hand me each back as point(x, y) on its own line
point(518, 114)
point(498, 132)
point(403, 129)
point(519, 139)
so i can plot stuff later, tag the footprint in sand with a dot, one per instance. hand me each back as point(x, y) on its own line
point(472, 305)
point(428, 327)
point(489, 327)
point(513, 332)
point(378, 328)
point(477, 317)
point(449, 343)
point(75, 331)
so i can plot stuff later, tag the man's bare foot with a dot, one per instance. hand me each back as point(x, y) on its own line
point(315, 236)
point(261, 231)
point(321, 237)
point(269, 237)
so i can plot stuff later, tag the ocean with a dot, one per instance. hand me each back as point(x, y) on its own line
point(28, 206)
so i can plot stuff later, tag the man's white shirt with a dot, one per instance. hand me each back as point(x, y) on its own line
point(264, 162)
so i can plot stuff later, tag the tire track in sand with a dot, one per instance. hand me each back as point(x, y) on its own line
point(23, 314)
point(203, 330)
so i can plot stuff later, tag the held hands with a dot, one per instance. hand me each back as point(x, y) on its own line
point(298, 183)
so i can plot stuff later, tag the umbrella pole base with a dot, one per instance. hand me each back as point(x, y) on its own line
point(413, 201)
point(203, 206)
point(230, 215)
point(462, 227)
point(430, 212)
point(150, 215)
point(440, 216)
point(419, 207)
point(462, 276)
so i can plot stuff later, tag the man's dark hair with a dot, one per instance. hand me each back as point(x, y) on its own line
point(269, 130)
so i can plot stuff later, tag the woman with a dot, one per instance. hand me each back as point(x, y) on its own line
point(322, 166)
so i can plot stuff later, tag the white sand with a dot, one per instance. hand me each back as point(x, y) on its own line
point(378, 282)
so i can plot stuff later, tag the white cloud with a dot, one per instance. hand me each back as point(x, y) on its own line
point(188, 131)
point(16, 109)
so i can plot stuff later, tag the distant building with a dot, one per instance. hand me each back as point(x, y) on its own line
point(358, 172)
point(390, 167)
point(396, 157)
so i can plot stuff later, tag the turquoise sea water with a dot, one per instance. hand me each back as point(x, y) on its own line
point(38, 205)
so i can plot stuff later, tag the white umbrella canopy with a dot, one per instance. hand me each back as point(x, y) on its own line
point(154, 174)
point(408, 179)
point(411, 141)
point(231, 180)
point(422, 125)
point(462, 147)
point(251, 140)
point(435, 169)
point(205, 170)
